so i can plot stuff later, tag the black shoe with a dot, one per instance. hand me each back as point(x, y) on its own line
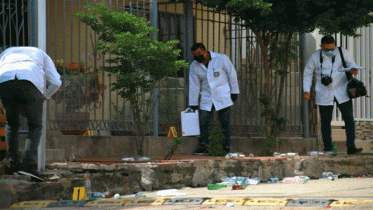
point(201, 150)
point(11, 166)
point(354, 150)
point(30, 171)
point(14, 165)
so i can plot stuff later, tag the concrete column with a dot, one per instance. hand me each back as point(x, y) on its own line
point(38, 37)
point(308, 46)
point(154, 24)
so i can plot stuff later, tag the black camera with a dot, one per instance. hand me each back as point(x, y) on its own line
point(326, 80)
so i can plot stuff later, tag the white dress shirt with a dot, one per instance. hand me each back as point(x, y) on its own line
point(32, 64)
point(213, 90)
point(338, 88)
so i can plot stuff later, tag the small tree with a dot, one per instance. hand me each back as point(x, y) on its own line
point(138, 61)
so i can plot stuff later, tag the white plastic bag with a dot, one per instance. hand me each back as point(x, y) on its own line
point(190, 123)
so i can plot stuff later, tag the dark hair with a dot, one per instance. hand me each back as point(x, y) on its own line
point(198, 45)
point(327, 40)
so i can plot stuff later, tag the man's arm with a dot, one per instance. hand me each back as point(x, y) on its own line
point(52, 77)
point(307, 77)
point(232, 75)
point(349, 61)
point(194, 87)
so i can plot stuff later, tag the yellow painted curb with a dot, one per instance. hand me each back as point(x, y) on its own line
point(33, 204)
point(107, 202)
point(159, 201)
point(267, 202)
point(225, 200)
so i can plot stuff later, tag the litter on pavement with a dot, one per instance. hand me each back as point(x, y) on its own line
point(170, 192)
point(296, 179)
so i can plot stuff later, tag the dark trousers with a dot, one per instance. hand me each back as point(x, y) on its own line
point(22, 96)
point(205, 119)
point(326, 113)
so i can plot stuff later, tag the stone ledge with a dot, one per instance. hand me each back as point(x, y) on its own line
point(129, 178)
point(64, 147)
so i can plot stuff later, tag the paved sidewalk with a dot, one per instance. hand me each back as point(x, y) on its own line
point(345, 188)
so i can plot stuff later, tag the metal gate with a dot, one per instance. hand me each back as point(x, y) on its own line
point(85, 100)
point(14, 23)
point(71, 45)
point(220, 33)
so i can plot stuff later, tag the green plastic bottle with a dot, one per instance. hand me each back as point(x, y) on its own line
point(334, 151)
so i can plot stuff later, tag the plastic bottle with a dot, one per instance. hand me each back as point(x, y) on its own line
point(329, 176)
point(334, 151)
point(273, 180)
point(87, 184)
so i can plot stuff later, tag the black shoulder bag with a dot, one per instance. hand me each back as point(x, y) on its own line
point(355, 87)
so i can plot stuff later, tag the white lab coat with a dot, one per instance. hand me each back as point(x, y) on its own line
point(32, 64)
point(338, 88)
point(213, 90)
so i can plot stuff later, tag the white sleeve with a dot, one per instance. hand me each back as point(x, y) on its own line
point(232, 75)
point(194, 87)
point(308, 74)
point(52, 77)
point(349, 61)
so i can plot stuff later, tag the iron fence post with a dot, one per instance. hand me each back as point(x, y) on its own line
point(188, 10)
point(303, 49)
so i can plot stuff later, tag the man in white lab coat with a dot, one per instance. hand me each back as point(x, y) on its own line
point(213, 76)
point(331, 86)
point(28, 77)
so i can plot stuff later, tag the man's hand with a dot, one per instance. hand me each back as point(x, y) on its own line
point(354, 71)
point(234, 97)
point(194, 108)
point(307, 95)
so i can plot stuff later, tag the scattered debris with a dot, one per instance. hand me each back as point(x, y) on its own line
point(215, 186)
point(296, 179)
point(170, 192)
point(229, 204)
point(140, 195)
point(55, 177)
point(252, 181)
point(97, 195)
point(344, 175)
point(274, 180)
point(329, 176)
point(320, 153)
point(137, 158)
point(235, 155)
point(289, 154)
point(238, 186)
point(129, 159)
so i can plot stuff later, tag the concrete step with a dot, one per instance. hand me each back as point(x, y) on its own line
point(367, 145)
point(54, 155)
point(130, 178)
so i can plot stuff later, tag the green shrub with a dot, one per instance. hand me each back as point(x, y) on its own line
point(216, 139)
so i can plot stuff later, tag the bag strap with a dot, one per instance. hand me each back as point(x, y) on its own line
point(348, 74)
point(321, 58)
